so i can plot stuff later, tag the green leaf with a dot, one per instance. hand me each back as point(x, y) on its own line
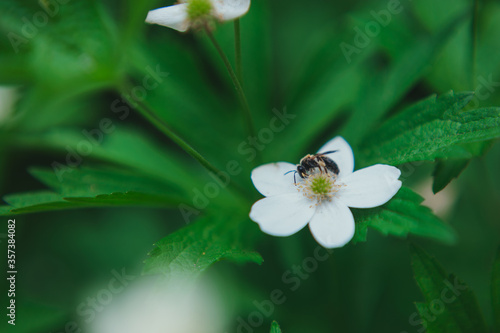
point(88, 181)
point(495, 290)
point(445, 171)
point(423, 112)
point(71, 55)
point(452, 69)
point(125, 147)
point(189, 102)
point(192, 249)
point(4, 210)
point(316, 111)
point(88, 187)
point(135, 11)
point(75, 46)
point(43, 200)
point(34, 202)
point(275, 328)
point(385, 89)
point(433, 128)
point(129, 198)
point(401, 216)
point(450, 306)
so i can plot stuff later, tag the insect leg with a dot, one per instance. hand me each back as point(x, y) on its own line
point(294, 180)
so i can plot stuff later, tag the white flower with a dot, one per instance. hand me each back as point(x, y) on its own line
point(193, 13)
point(8, 98)
point(322, 199)
point(151, 305)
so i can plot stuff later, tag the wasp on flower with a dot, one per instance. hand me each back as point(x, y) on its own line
point(319, 161)
point(322, 194)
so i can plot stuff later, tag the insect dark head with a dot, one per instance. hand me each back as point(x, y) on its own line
point(302, 171)
point(308, 163)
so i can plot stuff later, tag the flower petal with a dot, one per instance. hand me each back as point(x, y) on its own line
point(370, 187)
point(282, 215)
point(333, 224)
point(231, 9)
point(270, 179)
point(343, 157)
point(174, 17)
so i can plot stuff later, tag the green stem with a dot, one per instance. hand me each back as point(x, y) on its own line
point(475, 17)
point(163, 127)
point(239, 90)
point(237, 50)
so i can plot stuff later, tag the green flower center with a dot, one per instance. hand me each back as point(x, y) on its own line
point(199, 9)
point(319, 186)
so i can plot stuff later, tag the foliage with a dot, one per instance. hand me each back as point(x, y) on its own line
point(191, 250)
point(275, 328)
point(98, 89)
point(401, 216)
point(442, 312)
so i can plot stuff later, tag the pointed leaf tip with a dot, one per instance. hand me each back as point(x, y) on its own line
point(275, 328)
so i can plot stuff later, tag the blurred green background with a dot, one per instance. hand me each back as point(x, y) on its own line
point(67, 76)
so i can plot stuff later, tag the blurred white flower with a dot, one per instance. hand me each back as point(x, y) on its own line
point(8, 96)
point(151, 305)
point(323, 195)
point(197, 13)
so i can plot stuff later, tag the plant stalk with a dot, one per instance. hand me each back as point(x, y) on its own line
point(237, 50)
point(237, 85)
point(163, 127)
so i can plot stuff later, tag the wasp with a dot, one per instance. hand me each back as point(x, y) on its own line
point(320, 161)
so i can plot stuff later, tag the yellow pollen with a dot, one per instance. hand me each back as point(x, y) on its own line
point(319, 186)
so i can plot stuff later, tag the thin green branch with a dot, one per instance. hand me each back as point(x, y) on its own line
point(237, 50)
point(163, 127)
point(474, 23)
point(237, 85)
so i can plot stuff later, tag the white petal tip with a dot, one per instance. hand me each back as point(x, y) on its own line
point(174, 17)
point(228, 10)
point(327, 244)
point(333, 225)
point(343, 155)
point(371, 187)
point(335, 241)
point(281, 215)
point(270, 179)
